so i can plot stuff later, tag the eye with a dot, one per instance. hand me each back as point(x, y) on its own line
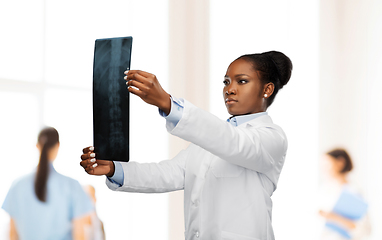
point(226, 82)
point(242, 81)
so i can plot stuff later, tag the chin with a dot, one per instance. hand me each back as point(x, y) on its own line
point(233, 113)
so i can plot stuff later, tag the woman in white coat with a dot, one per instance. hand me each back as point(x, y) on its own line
point(231, 168)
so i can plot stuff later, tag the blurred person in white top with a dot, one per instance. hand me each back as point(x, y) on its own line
point(336, 167)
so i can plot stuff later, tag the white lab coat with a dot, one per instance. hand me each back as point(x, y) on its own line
point(228, 175)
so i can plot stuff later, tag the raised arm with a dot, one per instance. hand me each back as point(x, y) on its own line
point(258, 146)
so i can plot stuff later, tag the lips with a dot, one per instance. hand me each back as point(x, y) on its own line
point(230, 100)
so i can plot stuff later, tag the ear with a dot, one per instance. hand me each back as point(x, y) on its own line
point(56, 146)
point(340, 163)
point(268, 90)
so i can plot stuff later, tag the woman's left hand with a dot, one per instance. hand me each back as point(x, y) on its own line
point(326, 215)
point(333, 217)
point(146, 86)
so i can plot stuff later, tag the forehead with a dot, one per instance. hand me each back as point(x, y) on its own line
point(328, 157)
point(241, 66)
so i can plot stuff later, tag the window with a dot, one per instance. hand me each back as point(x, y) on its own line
point(46, 78)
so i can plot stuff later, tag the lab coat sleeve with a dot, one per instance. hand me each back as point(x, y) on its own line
point(260, 147)
point(165, 176)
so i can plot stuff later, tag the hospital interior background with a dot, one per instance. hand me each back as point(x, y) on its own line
point(332, 100)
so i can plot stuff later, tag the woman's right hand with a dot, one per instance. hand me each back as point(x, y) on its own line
point(146, 86)
point(95, 166)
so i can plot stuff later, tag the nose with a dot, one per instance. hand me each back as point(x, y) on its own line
point(230, 90)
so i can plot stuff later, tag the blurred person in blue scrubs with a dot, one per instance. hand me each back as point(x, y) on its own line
point(45, 204)
point(336, 185)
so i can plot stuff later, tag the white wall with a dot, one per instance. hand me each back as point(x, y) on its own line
point(350, 85)
point(188, 78)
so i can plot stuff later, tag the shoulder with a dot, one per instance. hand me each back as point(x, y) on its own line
point(354, 188)
point(19, 189)
point(63, 179)
point(265, 126)
point(23, 180)
point(264, 121)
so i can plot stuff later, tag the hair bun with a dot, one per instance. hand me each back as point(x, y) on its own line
point(283, 64)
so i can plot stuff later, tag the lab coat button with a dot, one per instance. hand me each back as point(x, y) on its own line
point(197, 234)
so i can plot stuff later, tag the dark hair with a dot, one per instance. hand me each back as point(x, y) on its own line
point(47, 138)
point(342, 155)
point(272, 66)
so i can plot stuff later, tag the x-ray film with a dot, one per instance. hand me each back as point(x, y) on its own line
point(112, 58)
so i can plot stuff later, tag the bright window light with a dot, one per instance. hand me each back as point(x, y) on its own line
point(22, 40)
point(48, 46)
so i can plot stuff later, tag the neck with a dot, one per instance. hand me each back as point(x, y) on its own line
point(341, 178)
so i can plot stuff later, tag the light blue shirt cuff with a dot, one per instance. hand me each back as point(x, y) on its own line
point(176, 112)
point(118, 176)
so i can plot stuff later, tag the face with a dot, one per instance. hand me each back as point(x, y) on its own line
point(333, 166)
point(243, 91)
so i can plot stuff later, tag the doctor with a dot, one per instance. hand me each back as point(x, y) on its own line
point(231, 168)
